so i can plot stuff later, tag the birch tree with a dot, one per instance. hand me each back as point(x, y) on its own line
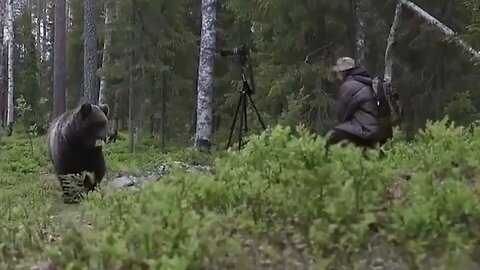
point(131, 94)
point(44, 36)
point(59, 59)
point(10, 59)
point(359, 14)
point(391, 40)
point(203, 135)
point(90, 91)
point(38, 25)
point(109, 12)
point(38, 34)
point(3, 90)
point(69, 16)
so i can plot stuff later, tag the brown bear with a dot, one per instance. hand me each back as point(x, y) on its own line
point(75, 142)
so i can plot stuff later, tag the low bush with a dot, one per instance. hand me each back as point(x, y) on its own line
point(281, 204)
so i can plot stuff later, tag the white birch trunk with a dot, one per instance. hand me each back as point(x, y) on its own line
point(2, 63)
point(43, 36)
point(2, 31)
point(203, 135)
point(109, 12)
point(359, 12)
point(38, 27)
point(474, 54)
point(38, 35)
point(390, 40)
point(68, 20)
point(9, 39)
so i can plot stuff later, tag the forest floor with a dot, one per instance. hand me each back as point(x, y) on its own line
point(278, 204)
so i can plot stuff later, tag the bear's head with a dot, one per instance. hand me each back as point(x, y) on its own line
point(92, 124)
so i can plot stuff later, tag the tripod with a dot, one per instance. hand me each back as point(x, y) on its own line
point(245, 93)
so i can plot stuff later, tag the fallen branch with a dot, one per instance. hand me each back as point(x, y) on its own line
point(475, 55)
point(318, 50)
point(323, 48)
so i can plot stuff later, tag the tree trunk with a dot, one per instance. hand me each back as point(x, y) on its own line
point(10, 44)
point(391, 40)
point(68, 20)
point(131, 103)
point(3, 89)
point(164, 112)
point(38, 27)
point(116, 122)
point(193, 120)
point(359, 15)
point(203, 136)
point(131, 97)
point(38, 43)
point(106, 49)
point(50, 32)
point(90, 91)
point(43, 37)
point(59, 59)
point(115, 115)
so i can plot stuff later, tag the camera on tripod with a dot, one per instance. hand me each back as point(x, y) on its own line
point(240, 51)
point(246, 92)
point(243, 53)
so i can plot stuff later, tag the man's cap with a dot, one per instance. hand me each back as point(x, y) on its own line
point(344, 63)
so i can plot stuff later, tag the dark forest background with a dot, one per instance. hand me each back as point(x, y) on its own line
point(294, 44)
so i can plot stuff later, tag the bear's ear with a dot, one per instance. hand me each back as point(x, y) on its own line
point(105, 109)
point(85, 109)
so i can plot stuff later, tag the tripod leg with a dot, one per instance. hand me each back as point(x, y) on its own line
point(256, 111)
point(240, 127)
point(245, 103)
point(243, 124)
point(234, 121)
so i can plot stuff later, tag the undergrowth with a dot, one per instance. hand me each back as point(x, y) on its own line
point(278, 204)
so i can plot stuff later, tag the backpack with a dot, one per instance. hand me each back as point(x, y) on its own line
point(388, 102)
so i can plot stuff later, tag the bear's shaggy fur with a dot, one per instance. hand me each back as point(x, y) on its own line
point(73, 142)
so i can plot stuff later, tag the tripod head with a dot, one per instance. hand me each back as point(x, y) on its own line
point(243, 53)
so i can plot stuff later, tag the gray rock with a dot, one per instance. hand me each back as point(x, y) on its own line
point(155, 174)
point(122, 182)
point(44, 266)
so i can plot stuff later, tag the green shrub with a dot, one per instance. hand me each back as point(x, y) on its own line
point(280, 203)
point(282, 193)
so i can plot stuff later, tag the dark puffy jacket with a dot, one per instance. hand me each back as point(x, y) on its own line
point(356, 106)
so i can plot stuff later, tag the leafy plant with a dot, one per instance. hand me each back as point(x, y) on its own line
point(277, 202)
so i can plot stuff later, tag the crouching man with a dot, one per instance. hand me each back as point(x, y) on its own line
point(356, 107)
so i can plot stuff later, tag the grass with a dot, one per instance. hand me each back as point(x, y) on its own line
point(278, 204)
point(32, 211)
